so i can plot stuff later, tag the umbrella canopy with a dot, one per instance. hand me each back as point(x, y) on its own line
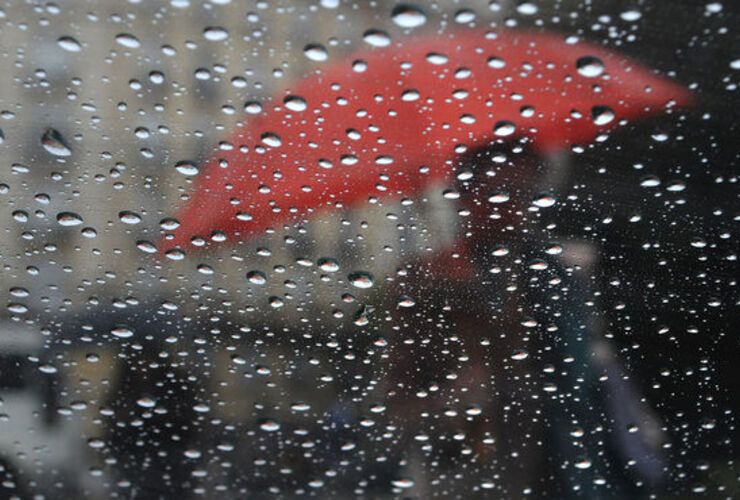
point(390, 120)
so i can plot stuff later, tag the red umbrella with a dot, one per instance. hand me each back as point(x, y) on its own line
point(388, 121)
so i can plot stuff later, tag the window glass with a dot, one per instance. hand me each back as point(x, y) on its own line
point(337, 249)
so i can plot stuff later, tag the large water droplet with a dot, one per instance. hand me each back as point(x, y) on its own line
point(122, 332)
point(129, 217)
point(504, 128)
point(328, 264)
point(602, 115)
point(271, 139)
point(215, 33)
point(408, 16)
point(361, 279)
point(69, 44)
point(257, 277)
point(589, 66)
point(316, 52)
point(69, 219)
point(128, 40)
point(376, 38)
point(544, 200)
point(187, 167)
point(403, 483)
point(54, 143)
point(269, 425)
point(295, 103)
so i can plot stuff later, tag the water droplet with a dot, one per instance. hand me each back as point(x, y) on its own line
point(54, 143)
point(17, 308)
point(271, 139)
point(300, 406)
point(498, 197)
point(146, 246)
point(328, 264)
point(269, 425)
point(631, 15)
point(361, 279)
point(526, 8)
point(187, 167)
point(69, 219)
point(650, 181)
point(122, 332)
point(128, 40)
point(215, 33)
point(169, 223)
point(464, 16)
point(156, 77)
point(473, 410)
point(129, 217)
point(257, 277)
point(602, 115)
point(175, 254)
point(403, 483)
point(406, 301)
point(437, 58)
point(69, 44)
point(582, 463)
point(520, 354)
point(527, 111)
point(410, 95)
point(295, 103)
point(376, 38)
point(589, 66)
point(496, 62)
point(146, 402)
point(316, 52)
point(504, 128)
point(408, 16)
point(544, 200)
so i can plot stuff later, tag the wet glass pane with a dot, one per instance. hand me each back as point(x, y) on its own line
point(337, 249)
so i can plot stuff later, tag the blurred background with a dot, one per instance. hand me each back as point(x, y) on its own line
point(125, 375)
